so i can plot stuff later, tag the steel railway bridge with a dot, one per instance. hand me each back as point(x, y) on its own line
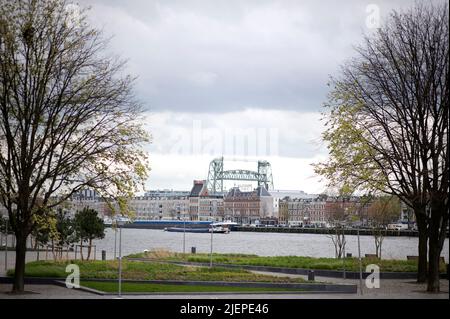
point(217, 175)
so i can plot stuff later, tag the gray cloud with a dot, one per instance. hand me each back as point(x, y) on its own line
point(253, 64)
point(220, 56)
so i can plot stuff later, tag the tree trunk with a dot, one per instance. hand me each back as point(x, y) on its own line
point(19, 270)
point(436, 223)
point(423, 245)
point(53, 251)
point(376, 245)
point(81, 250)
point(381, 244)
point(433, 257)
point(89, 249)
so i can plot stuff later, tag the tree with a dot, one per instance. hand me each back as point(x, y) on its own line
point(65, 228)
point(338, 216)
point(381, 212)
point(388, 124)
point(68, 116)
point(88, 226)
point(44, 229)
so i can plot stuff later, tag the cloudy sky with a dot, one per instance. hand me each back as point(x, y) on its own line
point(243, 79)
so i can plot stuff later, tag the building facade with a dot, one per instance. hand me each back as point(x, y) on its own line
point(279, 195)
point(155, 205)
point(303, 211)
point(205, 207)
point(167, 207)
point(248, 207)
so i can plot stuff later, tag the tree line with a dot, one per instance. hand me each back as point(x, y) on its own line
point(61, 232)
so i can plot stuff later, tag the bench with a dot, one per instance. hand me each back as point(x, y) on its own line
point(371, 256)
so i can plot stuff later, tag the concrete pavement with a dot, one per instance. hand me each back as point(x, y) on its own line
point(389, 289)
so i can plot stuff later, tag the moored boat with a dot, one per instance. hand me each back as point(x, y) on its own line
point(219, 230)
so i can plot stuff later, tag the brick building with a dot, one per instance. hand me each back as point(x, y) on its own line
point(248, 207)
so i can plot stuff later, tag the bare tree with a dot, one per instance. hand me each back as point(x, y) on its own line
point(337, 217)
point(68, 117)
point(388, 125)
point(381, 212)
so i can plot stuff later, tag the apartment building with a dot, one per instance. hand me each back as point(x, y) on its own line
point(248, 207)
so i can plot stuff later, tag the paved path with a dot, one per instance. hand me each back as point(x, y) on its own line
point(390, 289)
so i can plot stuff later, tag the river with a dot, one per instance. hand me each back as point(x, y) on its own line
point(262, 244)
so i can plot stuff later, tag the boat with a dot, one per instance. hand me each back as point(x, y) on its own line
point(219, 230)
point(219, 227)
point(162, 224)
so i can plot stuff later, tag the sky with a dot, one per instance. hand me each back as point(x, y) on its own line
point(246, 80)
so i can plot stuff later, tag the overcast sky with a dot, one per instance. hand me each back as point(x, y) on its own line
point(255, 71)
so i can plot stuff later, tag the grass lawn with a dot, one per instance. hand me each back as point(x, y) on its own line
point(351, 264)
point(135, 270)
point(145, 287)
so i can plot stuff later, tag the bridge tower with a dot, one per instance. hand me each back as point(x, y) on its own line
point(265, 175)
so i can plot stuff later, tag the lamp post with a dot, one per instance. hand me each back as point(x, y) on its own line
point(6, 245)
point(360, 265)
point(115, 241)
point(212, 232)
point(210, 255)
point(184, 235)
point(120, 223)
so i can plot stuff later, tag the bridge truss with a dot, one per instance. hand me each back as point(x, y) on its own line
point(217, 175)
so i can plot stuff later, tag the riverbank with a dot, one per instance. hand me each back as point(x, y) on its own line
point(328, 231)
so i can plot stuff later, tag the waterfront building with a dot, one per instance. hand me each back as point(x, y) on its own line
point(168, 206)
point(155, 205)
point(279, 195)
point(86, 198)
point(248, 207)
point(202, 205)
point(303, 211)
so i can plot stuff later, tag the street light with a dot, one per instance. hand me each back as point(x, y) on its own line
point(184, 235)
point(6, 245)
point(210, 255)
point(115, 240)
point(120, 222)
point(360, 265)
point(212, 232)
